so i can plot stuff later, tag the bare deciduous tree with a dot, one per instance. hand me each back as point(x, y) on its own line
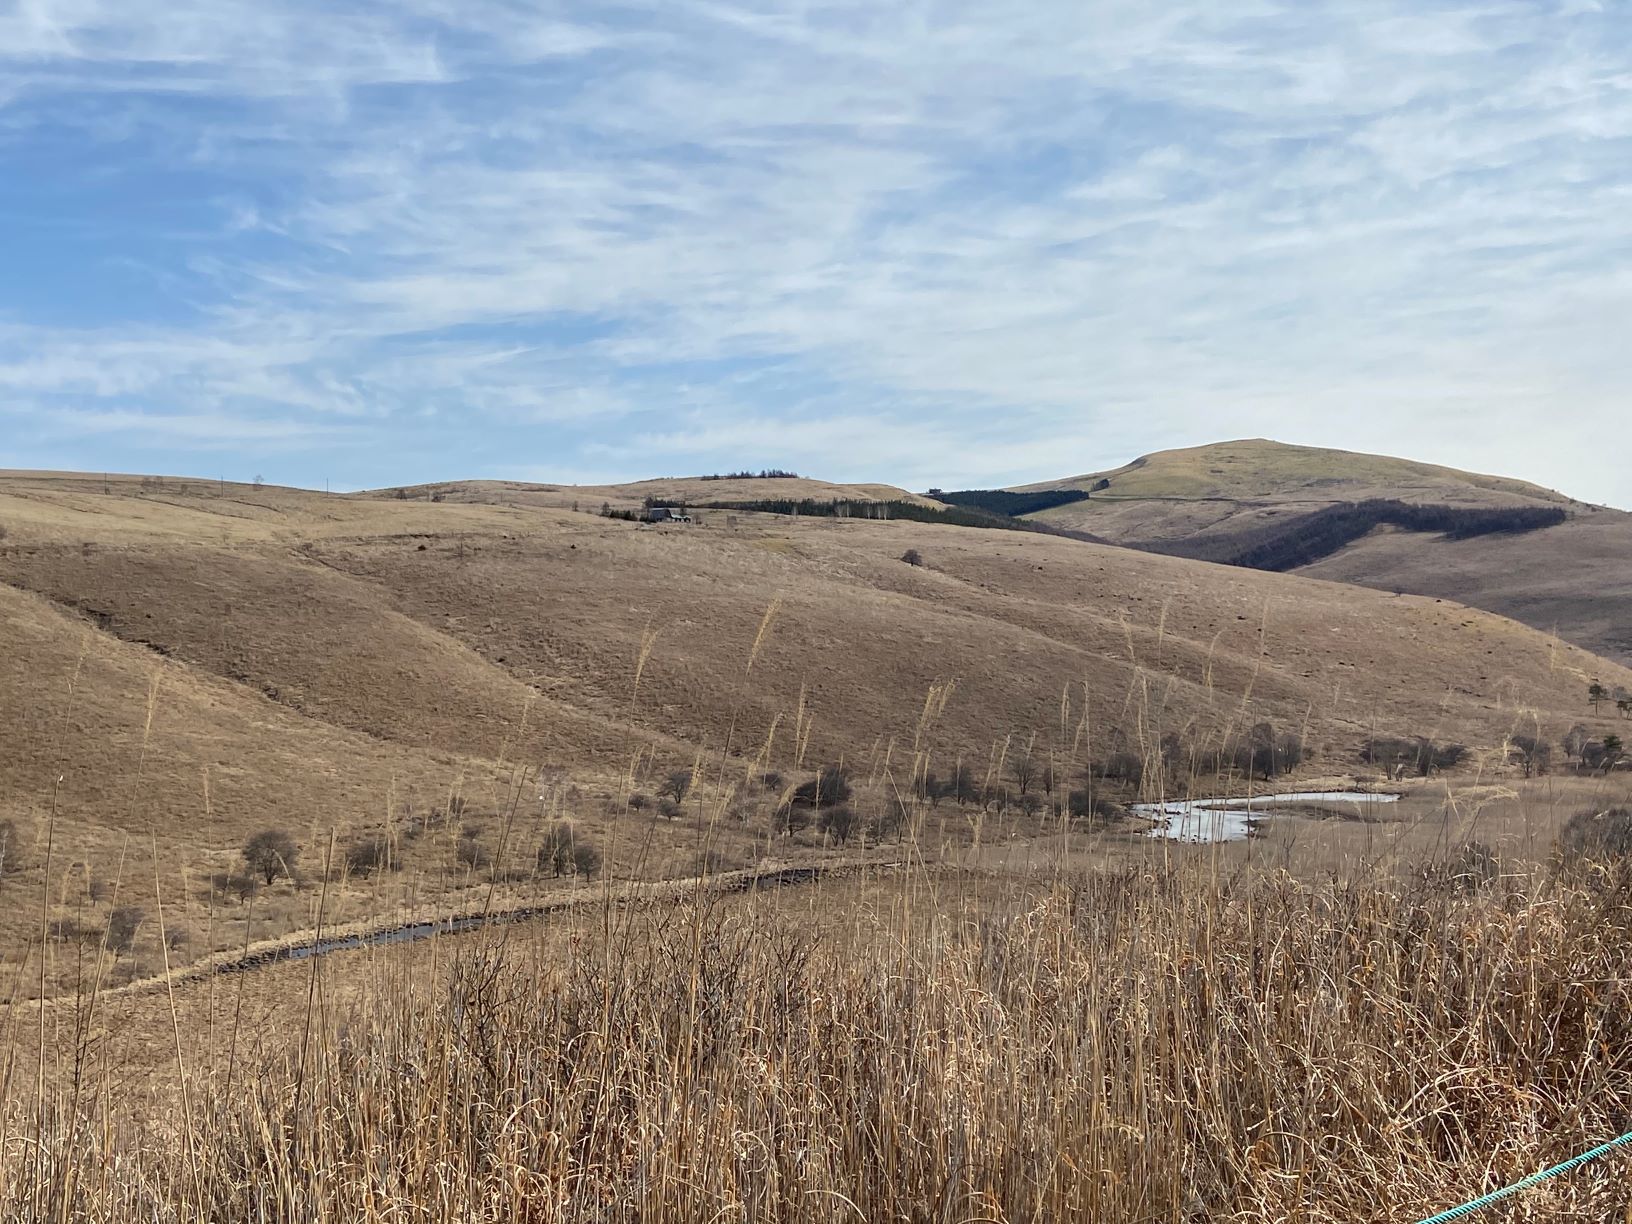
point(839, 823)
point(1534, 755)
point(555, 853)
point(123, 924)
point(271, 853)
point(1575, 739)
point(676, 785)
point(586, 859)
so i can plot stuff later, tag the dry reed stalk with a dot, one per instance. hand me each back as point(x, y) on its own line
point(1128, 1046)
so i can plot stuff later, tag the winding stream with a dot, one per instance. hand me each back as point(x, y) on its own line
point(1223, 820)
point(412, 932)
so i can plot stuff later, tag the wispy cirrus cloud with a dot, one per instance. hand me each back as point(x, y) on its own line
point(925, 242)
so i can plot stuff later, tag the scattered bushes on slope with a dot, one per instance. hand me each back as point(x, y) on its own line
point(1266, 752)
point(1420, 755)
point(948, 515)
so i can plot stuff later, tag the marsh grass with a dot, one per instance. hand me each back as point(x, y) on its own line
point(1150, 1043)
point(1110, 1030)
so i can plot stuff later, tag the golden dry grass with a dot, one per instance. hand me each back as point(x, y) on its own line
point(996, 1015)
point(1146, 1043)
point(185, 663)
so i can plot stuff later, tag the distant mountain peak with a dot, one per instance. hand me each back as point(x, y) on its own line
point(1258, 468)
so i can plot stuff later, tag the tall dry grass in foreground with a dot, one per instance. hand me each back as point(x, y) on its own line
point(1141, 1045)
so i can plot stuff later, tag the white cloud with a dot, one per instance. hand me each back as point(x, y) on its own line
point(1115, 227)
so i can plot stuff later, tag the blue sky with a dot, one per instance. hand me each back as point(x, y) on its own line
point(925, 242)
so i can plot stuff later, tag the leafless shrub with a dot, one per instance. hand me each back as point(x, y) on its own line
point(1086, 806)
point(11, 849)
point(67, 930)
point(892, 820)
point(366, 855)
point(120, 934)
point(1601, 836)
point(790, 819)
point(715, 861)
point(241, 886)
point(839, 823)
point(1533, 755)
point(1420, 755)
point(472, 854)
point(555, 853)
point(1266, 752)
point(829, 788)
point(959, 785)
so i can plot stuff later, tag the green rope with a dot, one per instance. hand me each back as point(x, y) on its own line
point(1535, 1179)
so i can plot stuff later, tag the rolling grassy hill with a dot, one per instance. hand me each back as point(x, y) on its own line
point(1258, 467)
point(1245, 502)
point(183, 663)
point(678, 490)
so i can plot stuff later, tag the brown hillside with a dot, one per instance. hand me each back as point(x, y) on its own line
point(328, 663)
point(1572, 579)
point(1258, 469)
point(684, 491)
